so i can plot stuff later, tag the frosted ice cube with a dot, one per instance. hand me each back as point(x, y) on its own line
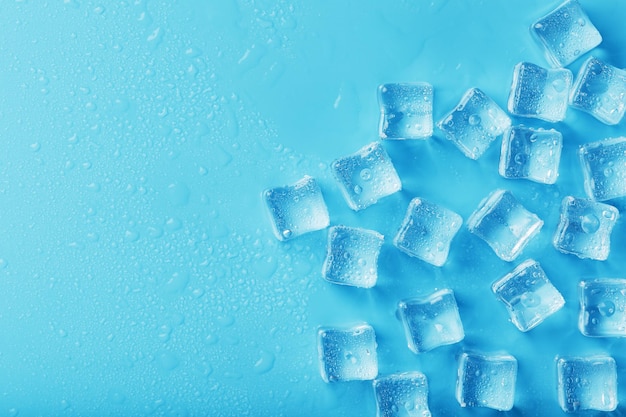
point(486, 381)
point(540, 93)
point(600, 90)
point(402, 395)
point(352, 257)
point(474, 123)
point(431, 321)
point(502, 222)
point(347, 354)
point(528, 295)
point(296, 209)
point(532, 154)
point(604, 168)
point(366, 176)
point(585, 228)
point(587, 383)
point(566, 33)
point(427, 231)
point(603, 307)
point(406, 110)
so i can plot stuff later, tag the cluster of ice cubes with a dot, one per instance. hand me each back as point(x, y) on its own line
point(501, 220)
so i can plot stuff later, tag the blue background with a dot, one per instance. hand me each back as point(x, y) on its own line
point(138, 271)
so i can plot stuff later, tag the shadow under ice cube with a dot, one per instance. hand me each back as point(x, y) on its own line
point(402, 395)
point(587, 383)
point(406, 111)
point(486, 381)
point(604, 168)
point(603, 307)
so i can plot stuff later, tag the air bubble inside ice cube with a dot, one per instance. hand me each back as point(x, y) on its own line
point(603, 307)
point(347, 354)
point(587, 383)
point(486, 381)
point(406, 110)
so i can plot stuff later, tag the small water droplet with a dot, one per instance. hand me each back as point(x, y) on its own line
point(606, 308)
point(358, 189)
point(589, 222)
point(366, 174)
point(474, 119)
point(287, 233)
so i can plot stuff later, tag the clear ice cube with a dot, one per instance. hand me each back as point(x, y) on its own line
point(347, 354)
point(587, 383)
point(296, 209)
point(585, 228)
point(528, 295)
point(532, 154)
point(366, 176)
point(502, 222)
point(566, 33)
point(406, 110)
point(432, 321)
point(402, 395)
point(539, 92)
point(427, 231)
point(474, 123)
point(603, 307)
point(486, 381)
point(600, 90)
point(352, 257)
point(604, 168)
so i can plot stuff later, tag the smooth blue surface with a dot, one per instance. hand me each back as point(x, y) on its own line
point(140, 274)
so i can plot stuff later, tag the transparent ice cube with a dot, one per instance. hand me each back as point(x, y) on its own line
point(486, 381)
point(587, 383)
point(296, 209)
point(539, 92)
point(600, 90)
point(366, 176)
point(528, 295)
point(585, 228)
point(474, 123)
point(603, 307)
point(532, 154)
point(347, 354)
point(502, 222)
point(406, 110)
point(566, 33)
point(427, 231)
point(431, 321)
point(402, 395)
point(604, 168)
point(352, 257)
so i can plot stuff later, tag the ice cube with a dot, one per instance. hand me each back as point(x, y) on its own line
point(486, 381)
point(427, 231)
point(474, 123)
point(502, 222)
point(604, 168)
point(406, 111)
point(347, 354)
point(296, 209)
point(540, 93)
point(603, 307)
point(431, 321)
point(528, 295)
point(352, 257)
point(600, 90)
point(566, 33)
point(587, 383)
point(402, 395)
point(585, 228)
point(366, 176)
point(532, 154)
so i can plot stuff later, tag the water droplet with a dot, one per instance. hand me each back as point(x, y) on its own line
point(581, 21)
point(366, 174)
point(287, 233)
point(589, 222)
point(559, 86)
point(606, 308)
point(265, 363)
point(530, 300)
point(350, 357)
point(474, 119)
point(358, 189)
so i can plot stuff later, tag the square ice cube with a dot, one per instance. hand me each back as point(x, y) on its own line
point(585, 228)
point(296, 209)
point(539, 92)
point(600, 90)
point(603, 307)
point(528, 295)
point(431, 321)
point(402, 395)
point(532, 154)
point(604, 168)
point(502, 222)
point(474, 123)
point(566, 33)
point(587, 383)
point(406, 111)
point(347, 354)
point(366, 176)
point(427, 231)
point(352, 257)
point(486, 381)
